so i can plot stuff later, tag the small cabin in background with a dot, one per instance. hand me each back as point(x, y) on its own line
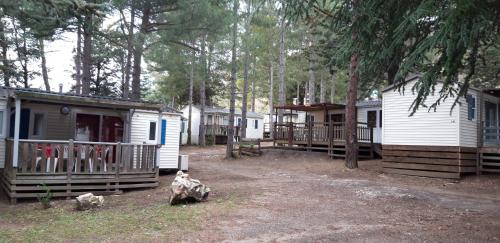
point(445, 143)
point(75, 143)
point(217, 122)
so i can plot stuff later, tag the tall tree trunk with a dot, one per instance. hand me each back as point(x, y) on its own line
point(312, 83)
point(351, 148)
point(21, 52)
point(234, 70)
point(253, 85)
point(271, 103)
point(24, 61)
point(281, 66)
point(322, 90)
point(209, 66)
point(130, 51)
point(45, 74)
point(5, 62)
point(392, 70)
point(246, 66)
point(298, 92)
point(306, 93)
point(87, 54)
point(138, 51)
point(191, 84)
point(332, 91)
point(201, 137)
point(78, 59)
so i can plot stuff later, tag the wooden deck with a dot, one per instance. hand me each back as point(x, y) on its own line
point(72, 168)
point(328, 136)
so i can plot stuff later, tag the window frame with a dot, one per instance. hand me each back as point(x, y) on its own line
point(32, 124)
point(155, 131)
point(256, 124)
point(471, 108)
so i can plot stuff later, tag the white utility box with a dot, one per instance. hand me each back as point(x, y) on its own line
point(183, 162)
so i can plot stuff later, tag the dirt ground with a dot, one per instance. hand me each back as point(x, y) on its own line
point(283, 196)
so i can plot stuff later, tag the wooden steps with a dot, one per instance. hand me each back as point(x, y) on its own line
point(365, 151)
point(489, 159)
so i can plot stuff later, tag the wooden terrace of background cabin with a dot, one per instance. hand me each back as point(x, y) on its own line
point(325, 135)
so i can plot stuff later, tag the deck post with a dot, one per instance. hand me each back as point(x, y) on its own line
point(290, 134)
point(158, 141)
point(118, 161)
point(69, 167)
point(330, 137)
point(480, 137)
point(371, 142)
point(309, 135)
point(274, 134)
point(17, 127)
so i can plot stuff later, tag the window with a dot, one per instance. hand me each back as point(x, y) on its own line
point(37, 124)
point(471, 107)
point(209, 120)
point(256, 124)
point(152, 131)
point(337, 118)
point(239, 122)
point(310, 118)
point(1, 122)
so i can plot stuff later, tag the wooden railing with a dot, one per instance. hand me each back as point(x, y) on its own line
point(219, 130)
point(491, 135)
point(74, 157)
point(319, 132)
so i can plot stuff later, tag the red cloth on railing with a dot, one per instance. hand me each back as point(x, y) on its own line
point(47, 151)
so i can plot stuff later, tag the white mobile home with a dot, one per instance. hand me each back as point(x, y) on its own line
point(442, 143)
point(98, 143)
point(145, 127)
point(216, 123)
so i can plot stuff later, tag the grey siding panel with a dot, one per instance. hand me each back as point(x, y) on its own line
point(3, 106)
point(439, 128)
point(468, 128)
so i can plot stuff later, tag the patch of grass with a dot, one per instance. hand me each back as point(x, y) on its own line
point(139, 222)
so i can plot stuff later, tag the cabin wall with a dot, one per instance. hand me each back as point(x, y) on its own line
point(139, 132)
point(440, 143)
point(57, 125)
point(362, 116)
point(195, 123)
point(169, 152)
point(431, 128)
point(253, 132)
point(3, 131)
point(468, 128)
